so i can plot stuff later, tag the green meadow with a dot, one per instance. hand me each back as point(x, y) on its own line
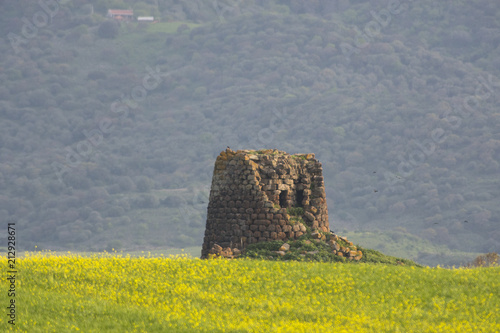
point(116, 293)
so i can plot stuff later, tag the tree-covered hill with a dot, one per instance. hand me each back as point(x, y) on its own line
point(109, 130)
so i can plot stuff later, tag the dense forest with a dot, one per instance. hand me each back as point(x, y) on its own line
point(109, 129)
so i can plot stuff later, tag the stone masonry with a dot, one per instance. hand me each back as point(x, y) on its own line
point(252, 194)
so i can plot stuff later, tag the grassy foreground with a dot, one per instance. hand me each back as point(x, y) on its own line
point(124, 294)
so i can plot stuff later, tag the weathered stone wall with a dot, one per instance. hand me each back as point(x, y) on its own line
point(251, 192)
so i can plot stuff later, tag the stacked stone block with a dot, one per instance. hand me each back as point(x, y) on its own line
point(251, 193)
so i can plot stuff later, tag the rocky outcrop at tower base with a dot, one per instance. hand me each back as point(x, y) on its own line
point(259, 196)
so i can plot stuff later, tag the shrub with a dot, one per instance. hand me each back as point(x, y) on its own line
point(485, 260)
point(295, 211)
point(144, 184)
point(96, 75)
point(108, 29)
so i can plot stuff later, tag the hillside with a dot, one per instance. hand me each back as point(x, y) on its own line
point(109, 131)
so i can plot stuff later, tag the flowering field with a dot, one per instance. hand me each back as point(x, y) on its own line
point(122, 294)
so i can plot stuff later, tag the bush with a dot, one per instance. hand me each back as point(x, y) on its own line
point(485, 260)
point(108, 29)
point(144, 184)
point(295, 211)
point(146, 201)
point(96, 75)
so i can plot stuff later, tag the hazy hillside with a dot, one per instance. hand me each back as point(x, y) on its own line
point(109, 131)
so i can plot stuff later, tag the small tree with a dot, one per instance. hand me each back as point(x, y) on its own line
point(144, 184)
point(108, 29)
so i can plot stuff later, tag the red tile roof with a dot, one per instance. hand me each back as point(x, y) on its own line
point(121, 12)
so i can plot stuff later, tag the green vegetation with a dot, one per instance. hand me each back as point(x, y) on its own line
point(262, 75)
point(171, 27)
point(374, 256)
point(296, 215)
point(486, 260)
point(122, 294)
point(295, 211)
point(308, 249)
point(302, 157)
point(267, 152)
point(399, 242)
point(297, 219)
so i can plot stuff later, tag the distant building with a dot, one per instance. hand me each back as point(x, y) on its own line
point(146, 19)
point(121, 14)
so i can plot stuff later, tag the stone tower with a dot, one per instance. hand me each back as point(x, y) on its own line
point(254, 193)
